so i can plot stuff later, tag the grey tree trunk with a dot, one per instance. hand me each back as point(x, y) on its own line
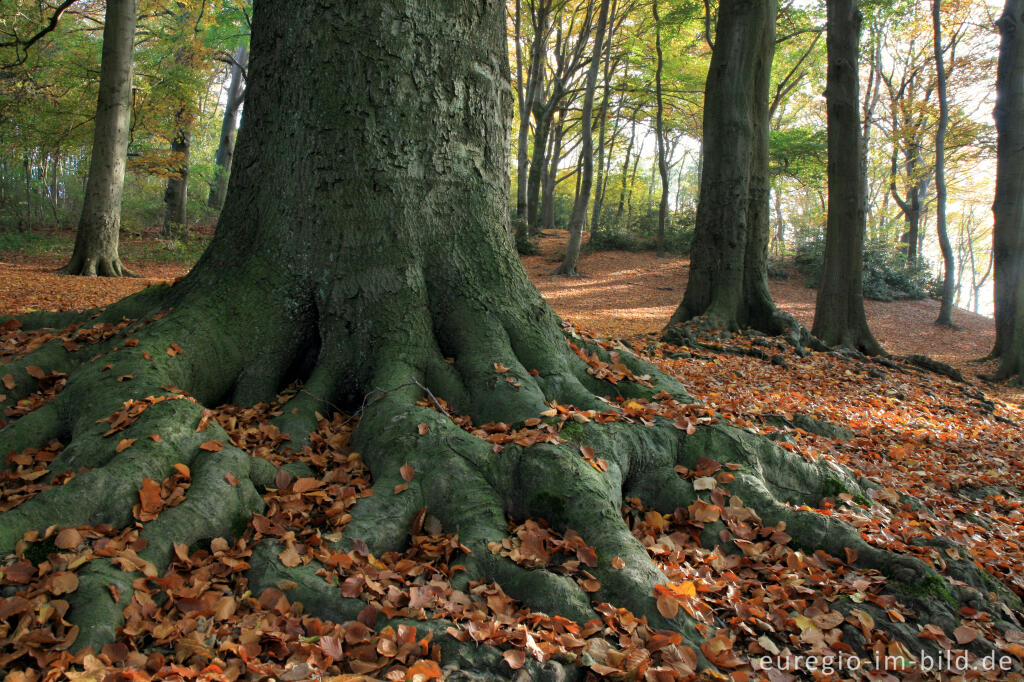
point(550, 177)
point(579, 207)
point(96, 242)
point(226, 146)
point(728, 269)
point(1008, 207)
point(602, 123)
point(949, 270)
point(839, 318)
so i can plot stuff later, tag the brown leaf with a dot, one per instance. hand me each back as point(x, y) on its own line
point(64, 582)
point(231, 478)
point(155, 437)
point(400, 488)
point(965, 634)
point(289, 557)
point(124, 444)
point(35, 372)
point(407, 471)
point(423, 429)
point(68, 538)
point(618, 564)
point(332, 647)
point(515, 658)
point(9, 382)
point(183, 470)
point(211, 446)
point(668, 606)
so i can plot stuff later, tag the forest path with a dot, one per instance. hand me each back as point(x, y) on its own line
point(622, 294)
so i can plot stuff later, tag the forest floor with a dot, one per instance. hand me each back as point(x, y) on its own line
point(957, 447)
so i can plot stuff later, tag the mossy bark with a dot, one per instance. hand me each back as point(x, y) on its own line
point(364, 249)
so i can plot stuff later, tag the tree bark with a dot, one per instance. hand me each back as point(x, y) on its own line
point(839, 318)
point(1008, 207)
point(949, 264)
point(226, 146)
point(96, 242)
point(728, 269)
point(579, 208)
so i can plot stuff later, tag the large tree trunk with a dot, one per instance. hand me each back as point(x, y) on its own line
point(579, 207)
point(1008, 208)
point(949, 269)
point(839, 318)
point(728, 270)
point(363, 248)
point(96, 242)
point(226, 146)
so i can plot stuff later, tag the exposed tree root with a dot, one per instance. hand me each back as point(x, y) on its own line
point(126, 418)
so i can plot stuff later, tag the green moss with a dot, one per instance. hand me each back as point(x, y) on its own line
point(548, 505)
point(573, 433)
point(929, 587)
point(834, 488)
point(38, 552)
point(862, 500)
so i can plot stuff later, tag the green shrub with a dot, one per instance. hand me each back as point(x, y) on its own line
point(887, 275)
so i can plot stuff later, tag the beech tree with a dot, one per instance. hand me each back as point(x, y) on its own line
point(839, 318)
point(96, 242)
point(226, 145)
point(364, 248)
point(1008, 208)
point(729, 263)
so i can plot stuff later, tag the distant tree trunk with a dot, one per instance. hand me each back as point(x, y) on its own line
point(96, 243)
point(1008, 208)
point(839, 318)
point(732, 209)
point(176, 193)
point(579, 207)
point(625, 167)
point(226, 146)
point(529, 105)
point(660, 133)
point(602, 126)
point(550, 178)
point(949, 275)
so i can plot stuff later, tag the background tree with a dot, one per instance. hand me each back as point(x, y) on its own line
point(728, 270)
point(96, 242)
point(949, 274)
point(839, 318)
point(226, 146)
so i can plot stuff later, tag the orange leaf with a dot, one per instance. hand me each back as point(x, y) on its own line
point(231, 478)
point(149, 496)
point(515, 658)
point(429, 669)
point(667, 606)
point(618, 564)
point(211, 446)
point(155, 437)
point(183, 470)
point(124, 445)
point(407, 472)
point(423, 429)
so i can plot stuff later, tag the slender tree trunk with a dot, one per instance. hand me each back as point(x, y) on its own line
point(839, 318)
point(1008, 208)
point(226, 146)
point(660, 133)
point(728, 268)
point(96, 243)
point(579, 207)
point(550, 178)
point(949, 275)
point(625, 167)
point(602, 125)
